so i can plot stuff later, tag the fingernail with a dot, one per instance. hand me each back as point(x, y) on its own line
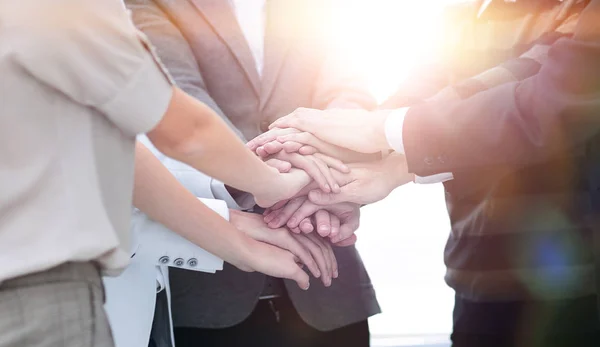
point(292, 222)
point(327, 188)
point(328, 282)
point(335, 274)
point(307, 286)
point(318, 274)
point(323, 228)
point(345, 168)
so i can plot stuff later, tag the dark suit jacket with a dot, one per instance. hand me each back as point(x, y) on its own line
point(525, 200)
point(202, 46)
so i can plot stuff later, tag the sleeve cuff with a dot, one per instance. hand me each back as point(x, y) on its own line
point(245, 202)
point(438, 178)
point(219, 206)
point(140, 106)
point(394, 125)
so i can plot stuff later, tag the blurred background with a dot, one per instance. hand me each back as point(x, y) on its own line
point(401, 238)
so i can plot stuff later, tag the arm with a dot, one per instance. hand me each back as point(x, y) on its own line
point(515, 124)
point(158, 194)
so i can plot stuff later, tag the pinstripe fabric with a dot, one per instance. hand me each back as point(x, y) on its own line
point(61, 307)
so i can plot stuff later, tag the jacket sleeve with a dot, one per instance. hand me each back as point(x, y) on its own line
point(174, 51)
point(515, 124)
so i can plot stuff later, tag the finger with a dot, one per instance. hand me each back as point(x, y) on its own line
point(268, 136)
point(296, 230)
point(347, 230)
point(262, 152)
point(292, 147)
point(294, 246)
point(287, 212)
point(273, 147)
point(272, 215)
point(347, 242)
point(323, 223)
point(326, 172)
point(292, 120)
point(299, 276)
point(327, 253)
point(317, 255)
point(279, 205)
point(321, 198)
point(308, 165)
point(333, 163)
point(306, 226)
point(334, 263)
point(280, 165)
point(305, 211)
point(306, 150)
point(335, 225)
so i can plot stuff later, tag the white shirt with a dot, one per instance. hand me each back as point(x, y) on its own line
point(251, 17)
point(76, 88)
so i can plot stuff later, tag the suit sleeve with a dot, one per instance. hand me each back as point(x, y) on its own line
point(174, 51)
point(515, 124)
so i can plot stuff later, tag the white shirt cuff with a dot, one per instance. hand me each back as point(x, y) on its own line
point(438, 178)
point(394, 125)
point(245, 202)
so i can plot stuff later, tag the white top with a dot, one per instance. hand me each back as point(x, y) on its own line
point(77, 86)
point(251, 17)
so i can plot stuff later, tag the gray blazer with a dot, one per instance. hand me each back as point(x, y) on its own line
point(202, 46)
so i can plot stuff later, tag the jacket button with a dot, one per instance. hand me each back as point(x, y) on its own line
point(164, 260)
point(178, 262)
point(428, 161)
point(193, 262)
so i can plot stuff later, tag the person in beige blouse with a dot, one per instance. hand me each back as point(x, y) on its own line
point(79, 82)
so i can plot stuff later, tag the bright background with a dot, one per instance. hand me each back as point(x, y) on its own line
point(401, 238)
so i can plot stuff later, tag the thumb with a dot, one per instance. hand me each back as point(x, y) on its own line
point(300, 277)
point(319, 197)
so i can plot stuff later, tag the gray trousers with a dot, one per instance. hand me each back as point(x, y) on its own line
point(60, 307)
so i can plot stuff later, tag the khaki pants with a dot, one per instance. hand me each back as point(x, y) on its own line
point(60, 307)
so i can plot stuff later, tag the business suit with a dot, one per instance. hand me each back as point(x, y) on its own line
point(522, 255)
point(201, 44)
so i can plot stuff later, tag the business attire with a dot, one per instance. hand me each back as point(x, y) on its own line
point(253, 62)
point(73, 97)
point(131, 297)
point(518, 144)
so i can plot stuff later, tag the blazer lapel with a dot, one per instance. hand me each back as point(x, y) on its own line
point(220, 15)
point(277, 44)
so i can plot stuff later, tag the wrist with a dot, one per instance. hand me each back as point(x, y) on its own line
point(397, 170)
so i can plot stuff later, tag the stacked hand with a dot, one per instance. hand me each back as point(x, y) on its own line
point(335, 158)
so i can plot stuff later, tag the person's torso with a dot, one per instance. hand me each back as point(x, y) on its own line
point(66, 177)
point(292, 58)
point(521, 246)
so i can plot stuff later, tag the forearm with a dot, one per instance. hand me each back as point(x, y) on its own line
point(192, 133)
point(158, 194)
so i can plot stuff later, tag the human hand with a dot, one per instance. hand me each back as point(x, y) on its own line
point(291, 140)
point(283, 186)
point(368, 182)
point(359, 130)
point(313, 252)
point(338, 221)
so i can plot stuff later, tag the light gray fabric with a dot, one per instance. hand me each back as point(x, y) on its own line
point(60, 307)
point(202, 46)
point(77, 86)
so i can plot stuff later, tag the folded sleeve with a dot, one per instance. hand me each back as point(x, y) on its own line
point(89, 51)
